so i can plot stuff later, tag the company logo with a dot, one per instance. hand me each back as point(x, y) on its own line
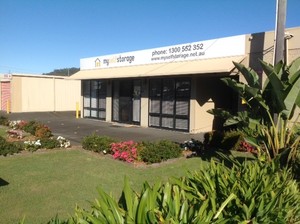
point(108, 61)
point(113, 60)
point(97, 63)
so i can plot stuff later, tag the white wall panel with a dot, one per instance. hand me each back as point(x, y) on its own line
point(67, 93)
point(37, 94)
point(49, 94)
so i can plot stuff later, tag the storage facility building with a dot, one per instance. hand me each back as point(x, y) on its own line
point(38, 93)
point(173, 87)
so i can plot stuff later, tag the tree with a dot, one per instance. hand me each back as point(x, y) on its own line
point(63, 72)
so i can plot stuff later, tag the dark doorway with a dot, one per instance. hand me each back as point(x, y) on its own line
point(127, 101)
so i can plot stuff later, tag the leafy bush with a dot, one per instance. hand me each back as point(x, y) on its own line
point(232, 140)
point(46, 143)
point(31, 127)
point(42, 131)
point(97, 143)
point(21, 124)
point(278, 99)
point(32, 145)
point(17, 124)
point(155, 152)
point(63, 142)
point(50, 143)
point(15, 133)
point(252, 192)
point(213, 139)
point(247, 147)
point(126, 151)
point(295, 165)
point(4, 120)
point(9, 148)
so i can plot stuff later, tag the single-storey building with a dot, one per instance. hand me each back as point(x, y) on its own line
point(173, 87)
point(38, 93)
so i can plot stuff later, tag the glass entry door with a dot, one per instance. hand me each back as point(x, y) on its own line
point(126, 101)
point(136, 101)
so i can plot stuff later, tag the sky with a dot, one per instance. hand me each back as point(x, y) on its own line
point(38, 36)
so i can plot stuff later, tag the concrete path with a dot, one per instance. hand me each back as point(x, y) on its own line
point(65, 124)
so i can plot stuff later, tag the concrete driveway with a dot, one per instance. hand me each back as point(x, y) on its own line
point(66, 125)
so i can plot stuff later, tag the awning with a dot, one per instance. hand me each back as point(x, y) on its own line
point(206, 66)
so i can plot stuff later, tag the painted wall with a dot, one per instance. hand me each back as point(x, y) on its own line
point(209, 92)
point(261, 46)
point(67, 94)
point(31, 94)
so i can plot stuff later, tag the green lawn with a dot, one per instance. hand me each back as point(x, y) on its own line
point(41, 185)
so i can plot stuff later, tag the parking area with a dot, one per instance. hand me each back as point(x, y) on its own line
point(65, 124)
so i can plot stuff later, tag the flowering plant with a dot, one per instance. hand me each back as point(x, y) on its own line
point(32, 145)
point(18, 124)
point(13, 124)
point(246, 147)
point(42, 131)
point(126, 151)
point(63, 142)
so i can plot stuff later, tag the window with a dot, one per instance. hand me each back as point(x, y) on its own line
point(169, 102)
point(94, 99)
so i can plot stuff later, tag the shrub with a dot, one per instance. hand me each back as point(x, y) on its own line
point(238, 192)
point(4, 121)
point(42, 131)
point(63, 142)
point(279, 96)
point(296, 166)
point(50, 143)
point(213, 139)
point(31, 127)
point(126, 151)
point(47, 143)
point(15, 133)
point(155, 152)
point(21, 124)
point(232, 140)
point(18, 124)
point(97, 143)
point(9, 148)
point(251, 192)
point(32, 145)
point(247, 147)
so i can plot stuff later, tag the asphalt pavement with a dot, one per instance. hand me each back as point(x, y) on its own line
point(65, 124)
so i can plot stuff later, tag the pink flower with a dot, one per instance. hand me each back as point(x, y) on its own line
point(126, 151)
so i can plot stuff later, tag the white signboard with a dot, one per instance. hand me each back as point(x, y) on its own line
point(223, 47)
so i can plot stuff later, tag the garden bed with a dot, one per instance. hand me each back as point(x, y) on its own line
point(17, 136)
